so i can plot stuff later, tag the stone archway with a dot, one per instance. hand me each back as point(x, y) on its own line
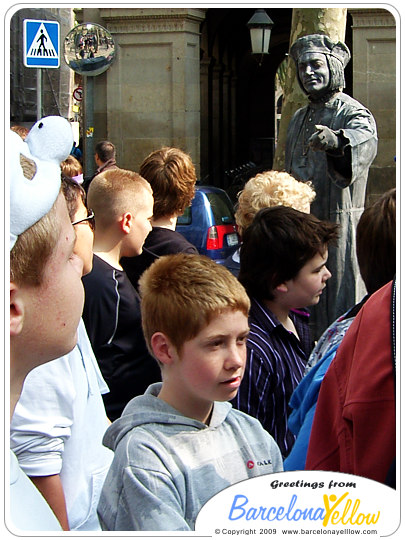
point(237, 92)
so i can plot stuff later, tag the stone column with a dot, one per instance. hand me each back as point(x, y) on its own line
point(152, 90)
point(216, 133)
point(204, 119)
point(233, 116)
point(374, 85)
point(226, 88)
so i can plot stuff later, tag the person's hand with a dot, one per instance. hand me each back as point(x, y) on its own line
point(324, 139)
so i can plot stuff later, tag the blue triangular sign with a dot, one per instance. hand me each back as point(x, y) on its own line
point(41, 43)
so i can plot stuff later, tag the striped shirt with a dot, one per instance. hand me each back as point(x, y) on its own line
point(275, 365)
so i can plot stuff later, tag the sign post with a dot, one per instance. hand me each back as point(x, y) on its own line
point(41, 50)
point(89, 50)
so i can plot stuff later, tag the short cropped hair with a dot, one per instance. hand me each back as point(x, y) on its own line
point(376, 242)
point(105, 150)
point(271, 188)
point(71, 166)
point(114, 192)
point(171, 173)
point(73, 193)
point(182, 293)
point(275, 247)
point(33, 248)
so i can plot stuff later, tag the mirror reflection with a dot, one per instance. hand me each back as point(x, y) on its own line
point(89, 49)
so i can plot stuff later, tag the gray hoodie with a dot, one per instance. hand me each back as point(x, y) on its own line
point(167, 466)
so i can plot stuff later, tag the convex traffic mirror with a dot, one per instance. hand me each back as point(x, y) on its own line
point(89, 49)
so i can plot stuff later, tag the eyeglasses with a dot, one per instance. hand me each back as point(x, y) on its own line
point(90, 219)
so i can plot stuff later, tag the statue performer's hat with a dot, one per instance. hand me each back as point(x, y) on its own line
point(320, 43)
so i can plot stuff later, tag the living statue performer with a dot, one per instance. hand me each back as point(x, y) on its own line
point(332, 142)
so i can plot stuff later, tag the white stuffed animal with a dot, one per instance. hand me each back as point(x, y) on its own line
point(35, 173)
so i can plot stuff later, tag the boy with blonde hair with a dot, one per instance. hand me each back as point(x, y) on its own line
point(122, 202)
point(46, 292)
point(181, 442)
point(59, 421)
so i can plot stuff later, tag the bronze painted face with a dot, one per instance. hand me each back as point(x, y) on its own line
point(313, 71)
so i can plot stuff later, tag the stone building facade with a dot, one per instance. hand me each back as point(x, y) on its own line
point(374, 84)
point(186, 77)
point(56, 83)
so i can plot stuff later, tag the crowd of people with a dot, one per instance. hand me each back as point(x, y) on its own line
point(138, 367)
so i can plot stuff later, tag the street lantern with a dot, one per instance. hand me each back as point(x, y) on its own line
point(260, 26)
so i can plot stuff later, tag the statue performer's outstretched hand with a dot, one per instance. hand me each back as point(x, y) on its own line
point(324, 139)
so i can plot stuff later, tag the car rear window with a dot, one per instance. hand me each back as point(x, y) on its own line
point(221, 208)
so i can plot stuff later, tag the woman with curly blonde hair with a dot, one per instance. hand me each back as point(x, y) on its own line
point(269, 188)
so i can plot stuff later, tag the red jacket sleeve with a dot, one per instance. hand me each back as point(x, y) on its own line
point(354, 424)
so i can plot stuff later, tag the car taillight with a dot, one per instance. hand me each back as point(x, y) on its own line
point(213, 238)
point(216, 235)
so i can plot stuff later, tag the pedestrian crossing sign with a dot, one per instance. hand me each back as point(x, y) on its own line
point(41, 44)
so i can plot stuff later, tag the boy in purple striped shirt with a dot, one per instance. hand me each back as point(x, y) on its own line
point(283, 269)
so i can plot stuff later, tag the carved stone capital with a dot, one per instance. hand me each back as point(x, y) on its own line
point(367, 18)
point(151, 20)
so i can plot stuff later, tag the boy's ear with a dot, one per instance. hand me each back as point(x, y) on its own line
point(162, 348)
point(126, 222)
point(283, 287)
point(16, 310)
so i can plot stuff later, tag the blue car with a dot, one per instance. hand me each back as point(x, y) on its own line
point(209, 223)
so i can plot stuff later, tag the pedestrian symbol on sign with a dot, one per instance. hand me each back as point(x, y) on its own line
point(41, 44)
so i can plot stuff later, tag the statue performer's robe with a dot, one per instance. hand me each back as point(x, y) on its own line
point(340, 182)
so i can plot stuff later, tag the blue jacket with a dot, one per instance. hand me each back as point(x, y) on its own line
point(303, 402)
